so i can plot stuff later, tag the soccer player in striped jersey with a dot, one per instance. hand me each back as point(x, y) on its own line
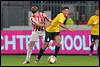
point(38, 25)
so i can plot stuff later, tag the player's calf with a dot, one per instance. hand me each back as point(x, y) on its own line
point(91, 48)
point(29, 52)
point(41, 52)
point(57, 39)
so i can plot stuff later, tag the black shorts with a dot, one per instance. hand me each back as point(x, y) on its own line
point(50, 36)
point(94, 37)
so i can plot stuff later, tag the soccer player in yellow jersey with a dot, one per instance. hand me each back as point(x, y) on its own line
point(94, 23)
point(52, 32)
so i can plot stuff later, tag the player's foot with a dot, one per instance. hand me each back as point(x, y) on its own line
point(90, 54)
point(36, 61)
point(26, 62)
point(97, 56)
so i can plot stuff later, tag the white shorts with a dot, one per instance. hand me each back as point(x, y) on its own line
point(35, 35)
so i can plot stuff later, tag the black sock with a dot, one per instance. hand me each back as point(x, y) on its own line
point(98, 51)
point(40, 53)
point(91, 49)
point(56, 50)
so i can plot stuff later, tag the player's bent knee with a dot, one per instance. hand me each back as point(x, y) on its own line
point(46, 44)
point(31, 43)
point(97, 41)
point(30, 48)
point(58, 44)
point(57, 37)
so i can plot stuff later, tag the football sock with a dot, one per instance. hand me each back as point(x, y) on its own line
point(29, 52)
point(98, 51)
point(91, 49)
point(56, 50)
point(40, 53)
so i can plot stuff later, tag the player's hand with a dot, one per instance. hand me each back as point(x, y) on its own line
point(69, 29)
point(46, 25)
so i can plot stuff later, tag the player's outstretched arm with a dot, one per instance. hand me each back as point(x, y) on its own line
point(40, 25)
point(65, 27)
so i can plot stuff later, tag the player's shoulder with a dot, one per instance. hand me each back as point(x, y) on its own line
point(32, 16)
point(93, 16)
point(43, 14)
point(60, 14)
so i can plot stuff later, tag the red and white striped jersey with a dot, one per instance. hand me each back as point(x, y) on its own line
point(37, 19)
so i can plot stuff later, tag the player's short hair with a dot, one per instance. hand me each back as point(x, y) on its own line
point(66, 7)
point(97, 8)
point(34, 9)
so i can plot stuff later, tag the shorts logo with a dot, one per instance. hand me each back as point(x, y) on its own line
point(47, 39)
point(92, 39)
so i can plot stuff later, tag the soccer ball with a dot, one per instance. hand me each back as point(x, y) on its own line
point(52, 59)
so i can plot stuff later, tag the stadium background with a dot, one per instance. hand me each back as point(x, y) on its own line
point(15, 13)
point(15, 16)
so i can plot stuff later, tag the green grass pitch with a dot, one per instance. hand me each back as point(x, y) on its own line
point(62, 60)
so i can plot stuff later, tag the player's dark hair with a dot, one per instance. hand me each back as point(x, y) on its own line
point(34, 9)
point(97, 8)
point(66, 17)
point(65, 8)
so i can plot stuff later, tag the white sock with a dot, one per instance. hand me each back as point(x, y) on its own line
point(29, 52)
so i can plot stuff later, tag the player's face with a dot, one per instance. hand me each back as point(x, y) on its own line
point(97, 12)
point(65, 12)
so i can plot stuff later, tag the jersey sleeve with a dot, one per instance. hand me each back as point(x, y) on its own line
point(90, 21)
point(60, 18)
point(46, 17)
point(33, 20)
